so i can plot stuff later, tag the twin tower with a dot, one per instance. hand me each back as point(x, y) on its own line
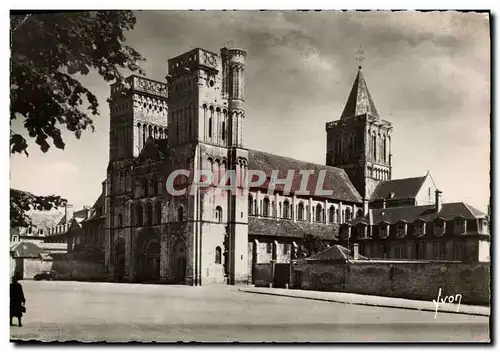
point(201, 102)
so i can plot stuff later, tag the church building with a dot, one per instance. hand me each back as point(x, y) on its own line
point(195, 121)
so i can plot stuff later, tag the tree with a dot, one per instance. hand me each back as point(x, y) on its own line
point(310, 246)
point(47, 51)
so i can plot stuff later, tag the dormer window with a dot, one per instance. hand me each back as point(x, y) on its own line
point(439, 227)
point(401, 229)
point(460, 226)
point(362, 231)
point(384, 230)
point(419, 228)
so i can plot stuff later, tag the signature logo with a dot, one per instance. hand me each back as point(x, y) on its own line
point(447, 300)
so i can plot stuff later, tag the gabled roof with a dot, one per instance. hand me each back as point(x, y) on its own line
point(25, 250)
point(154, 149)
point(360, 101)
point(427, 213)
point(288, 228)
point(333, 253)
point(404, 188)
point(336, 180)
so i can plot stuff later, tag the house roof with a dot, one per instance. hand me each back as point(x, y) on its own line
point(335, 252)
point(427, 213)
point(336, 180)
point(404, 188)
point(288, 228)
point(25, 250)
point(359, 101)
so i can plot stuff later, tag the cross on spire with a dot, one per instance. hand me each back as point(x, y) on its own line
point(360, 57)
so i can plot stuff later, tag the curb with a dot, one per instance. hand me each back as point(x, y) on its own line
point(361, 303)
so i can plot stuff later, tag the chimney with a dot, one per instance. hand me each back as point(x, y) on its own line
point(365, 207)
point(438, 204)
point(68, 212)
point(355, 251)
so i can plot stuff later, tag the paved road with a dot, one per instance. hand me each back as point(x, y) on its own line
point(126, 312)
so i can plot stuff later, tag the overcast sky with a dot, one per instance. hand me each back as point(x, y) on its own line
point(428, 74)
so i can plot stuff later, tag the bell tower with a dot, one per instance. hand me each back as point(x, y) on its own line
point(205, 119)
point(360, 141)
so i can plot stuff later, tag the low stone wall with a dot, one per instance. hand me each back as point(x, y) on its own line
point(412, 280)
point(263, 274)
point(64, 269)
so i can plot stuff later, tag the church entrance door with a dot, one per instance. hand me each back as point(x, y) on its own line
point(179, 261)
point(148, 257)
point(119, 260)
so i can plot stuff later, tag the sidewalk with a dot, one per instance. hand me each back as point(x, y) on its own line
point(376, 301)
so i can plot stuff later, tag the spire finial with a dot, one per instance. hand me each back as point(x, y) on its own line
point(228, 44)
point(360, 57)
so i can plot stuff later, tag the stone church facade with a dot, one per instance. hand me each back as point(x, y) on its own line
point(195, 121)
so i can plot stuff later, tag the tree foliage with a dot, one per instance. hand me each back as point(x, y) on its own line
point(48, 52)
point(310, 246)
point(22, 202)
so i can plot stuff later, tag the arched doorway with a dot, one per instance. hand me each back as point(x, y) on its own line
point(179, 261)
point(148, 257)
point(119, 260)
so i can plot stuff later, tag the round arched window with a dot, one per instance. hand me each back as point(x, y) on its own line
point(211, 83)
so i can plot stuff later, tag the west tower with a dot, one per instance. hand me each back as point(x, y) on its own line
point(206, 113)
point(138, 111)
point(360, 141)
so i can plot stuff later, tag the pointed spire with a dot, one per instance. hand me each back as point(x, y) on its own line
point(359, 101)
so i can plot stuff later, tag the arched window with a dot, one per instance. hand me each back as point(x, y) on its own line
point(286, 209)
point(250, 204)
point(210, 122)
point(149, 213)
point(150, 131)
point(374, 147)
point(120, 220)
point(339, 220)
point(348, 214)
point(218, 255)
point(158, 212)
point(359, 213)
point(146, 188)
point(331, 214)
point(319, 212)
point(385, 149)
point(154, 185)
point(223, 130)
point(218, 214)
point(265, 207)
point(138, 213)
point(180, 214)
point(300, 211)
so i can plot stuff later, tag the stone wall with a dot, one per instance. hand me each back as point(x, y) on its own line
point(64, 269)
point(263, 274)
point(411, 280)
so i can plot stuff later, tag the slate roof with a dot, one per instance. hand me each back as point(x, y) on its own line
point(333, 253)
point(288, 228)
point(360, 101)
point(449, 211)
point(405, 188)
point(25, 250)
point(335, 180)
